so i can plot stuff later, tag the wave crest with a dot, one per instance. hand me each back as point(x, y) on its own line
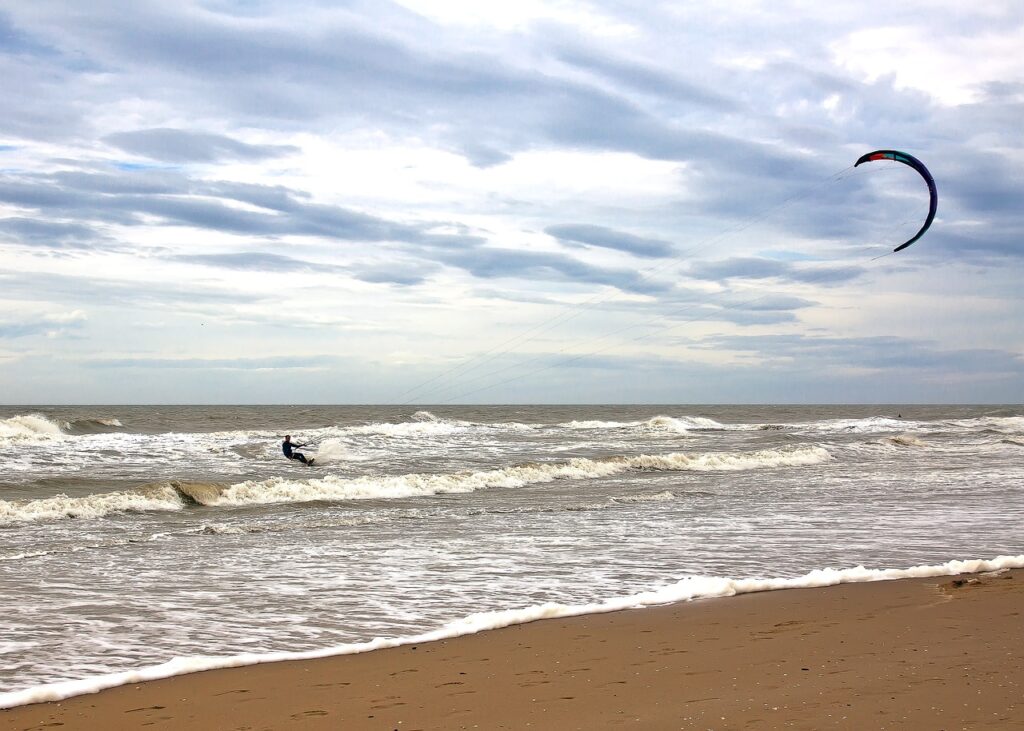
point(97, 425)
point(176, 495)
point(59, 507)
point(30, 427)
point(330, 488)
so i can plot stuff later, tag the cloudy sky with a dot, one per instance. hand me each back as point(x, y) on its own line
point(449, 201)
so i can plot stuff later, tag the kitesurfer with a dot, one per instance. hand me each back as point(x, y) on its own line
point(289, 447)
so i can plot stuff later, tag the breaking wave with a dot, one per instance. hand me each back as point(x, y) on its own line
point(93, 506)
point(422, 427)
point(154, 497)
point(30, 427)
point(38, 428)
point(860, 426)
point(176, 495)
point(280, 490)
point(682, 424)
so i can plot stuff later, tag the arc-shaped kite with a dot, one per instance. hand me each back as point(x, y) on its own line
point(913, 162)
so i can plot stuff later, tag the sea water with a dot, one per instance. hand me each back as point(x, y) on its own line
point(140, 542)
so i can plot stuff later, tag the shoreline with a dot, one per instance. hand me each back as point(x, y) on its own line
point(943, 652)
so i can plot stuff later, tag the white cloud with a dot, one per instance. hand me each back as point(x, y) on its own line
point(950, 67)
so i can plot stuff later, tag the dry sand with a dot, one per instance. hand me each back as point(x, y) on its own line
point(944, 653)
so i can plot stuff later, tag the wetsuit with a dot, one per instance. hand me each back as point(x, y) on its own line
point(287, 448)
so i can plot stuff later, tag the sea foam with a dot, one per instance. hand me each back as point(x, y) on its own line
point(29, 427)
point(688, 588)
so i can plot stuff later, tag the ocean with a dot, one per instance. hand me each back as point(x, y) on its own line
point(143, 541)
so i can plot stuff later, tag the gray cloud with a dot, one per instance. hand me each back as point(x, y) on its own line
point(402, 276)
point(607, 238)
point(483, 105)
point(176, 199)
point(52, 234)
point(181, 146)
point(254, 261)
point(491, 263)
point(760, 268)
point(126, 196)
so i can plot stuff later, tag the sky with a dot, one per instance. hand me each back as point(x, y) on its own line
point(551, 201)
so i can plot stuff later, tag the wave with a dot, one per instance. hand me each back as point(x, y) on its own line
point(36, 427)
point(860, 426)
point(30, 427)
point(686, 589)
point(906, 440)
point(594, 424)
point(95, 426)
point(176, 495)
point(684, 424)
point(657, 497)
point(998, 424)
point(406, 428)
point(681, 424)
point(161, 496)
point(331, 488)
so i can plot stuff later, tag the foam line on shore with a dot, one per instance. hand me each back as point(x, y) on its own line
point(693, 587)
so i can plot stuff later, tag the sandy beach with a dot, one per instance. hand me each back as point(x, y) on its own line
point(939, 653)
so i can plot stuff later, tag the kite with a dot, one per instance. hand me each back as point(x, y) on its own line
point(920, 168)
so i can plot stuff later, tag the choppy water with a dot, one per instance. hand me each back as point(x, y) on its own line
point(131, 535)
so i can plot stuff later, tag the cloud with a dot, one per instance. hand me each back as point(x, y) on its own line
point(911, 356)
point(491, 263)
point(311, 362)
point(89, 290)
point(183, 146)
point(254, 261)
point(389, 274)
point(128, 197)
point(647, 78)
point(52, 326)
point(52, 234)
point(761, 268)
point(607, 238)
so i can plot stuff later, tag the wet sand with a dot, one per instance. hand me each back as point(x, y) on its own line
point(939, 653)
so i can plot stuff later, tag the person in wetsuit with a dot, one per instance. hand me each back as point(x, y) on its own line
point(289, 450)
